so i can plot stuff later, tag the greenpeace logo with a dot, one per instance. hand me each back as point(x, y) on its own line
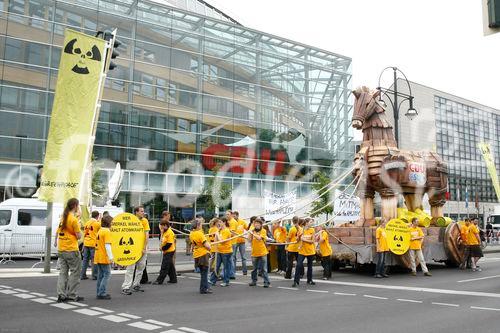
point(58, 184)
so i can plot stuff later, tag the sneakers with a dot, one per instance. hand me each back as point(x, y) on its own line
point(84, 278)
point(266, 285)
point(224, 284)
point(378, 276)
point(295, 285)
point(107, 296)
point(208, 291)
point(477, 269)
point(171, 282)
point(413, 273)
point(232, 278)
point(311, 283)
point(385, 275)
point(61, 299)
point(76, 299)
point(126, 292)
point(252, 284)
point(157, 283)
point(138, 289)
point(427, 274)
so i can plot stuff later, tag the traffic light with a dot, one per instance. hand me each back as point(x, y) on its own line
point(111, 53)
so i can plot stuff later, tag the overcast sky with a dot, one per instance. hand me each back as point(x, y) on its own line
point(438, 43)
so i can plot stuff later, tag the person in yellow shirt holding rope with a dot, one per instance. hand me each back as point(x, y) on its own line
point(293, 247)
point(90, 231)
point(239, 246)
point(258, 238)
point(201, 249)
point(280, 236)
point(167, 246)
point(306, 251)
point(225, 250)
point(382, 250)
point(417, 237)
point(325, 251)
point(213, 248)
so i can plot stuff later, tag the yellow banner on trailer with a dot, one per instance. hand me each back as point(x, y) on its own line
point(73, 115)
point(490, 164)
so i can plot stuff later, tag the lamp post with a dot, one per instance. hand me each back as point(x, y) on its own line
point(396, 95)
point(21, 138)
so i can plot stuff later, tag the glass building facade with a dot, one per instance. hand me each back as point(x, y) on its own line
point(191, 84)
point(459, 129)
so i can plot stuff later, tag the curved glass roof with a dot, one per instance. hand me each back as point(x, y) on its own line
point(199, 7)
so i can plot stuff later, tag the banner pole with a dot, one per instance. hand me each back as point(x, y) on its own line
point(48, 237)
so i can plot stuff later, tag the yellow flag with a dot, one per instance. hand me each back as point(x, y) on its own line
point(490, 164)
point(73, 114)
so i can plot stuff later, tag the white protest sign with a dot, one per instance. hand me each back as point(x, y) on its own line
point(346, 207)
point(279, 205)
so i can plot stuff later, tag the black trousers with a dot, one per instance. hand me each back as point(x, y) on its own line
point(300, 268)
point(281, 254)
point(326, 262)
point(167, 268)
point(291, 257)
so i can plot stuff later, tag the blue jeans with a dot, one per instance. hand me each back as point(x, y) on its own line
point(239, 247)
point(300, 268)
point(380, 267)
point(260, 264)
point(225, 258)
point(204, 279)
point(88, 256)
point(103, 274)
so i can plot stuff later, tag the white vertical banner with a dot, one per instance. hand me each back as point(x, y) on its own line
point(278, 206)
point(346, 207)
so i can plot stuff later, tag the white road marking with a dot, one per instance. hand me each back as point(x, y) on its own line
point(115, 319)
point(131, 316)
point(144, 326)
point(24, 296)
point(5, 287)
point(101, 309)
point(446, 304)
point(191, 330)
point(344, 294)
point(42, 300)
point(317, 291)
point(63, 306)
point(22, 290)
point(52, 298)
point(8, 292)
point(376, 297)
point(38, 294)
point(77, 303)
point(156, 322)
point(408, 300)
point(172, 331)
point(288, 288)
point(88, 312)
point(481, 308)
point(478, 279)
point(193, 278)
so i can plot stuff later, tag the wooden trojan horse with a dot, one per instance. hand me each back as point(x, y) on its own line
point(385, 169)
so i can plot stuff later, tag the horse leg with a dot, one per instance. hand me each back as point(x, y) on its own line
point(437, 200)
point(366, 217)
point(413, 201)
point(389, 207)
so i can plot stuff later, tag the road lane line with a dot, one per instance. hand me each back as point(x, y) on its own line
point(42, 300)
point(344, 294)
point(22, 290)
point(317, 291)
point(446, 304)
point(172, 331)
point(24, 296)
point(63, 306)
point(4, 286)
point(156, 322)
point(481, 308)
point(77, 303)
point(88, 312)
point(131, 316)
point(288, 288)
point(375, 297)
point(478, 279)
point(144, 326)
point(8, 292)
point(101, 309)
point(39, 294)
point(114, 318)
point(191, 330)
point(408, 300)
point(52, 298)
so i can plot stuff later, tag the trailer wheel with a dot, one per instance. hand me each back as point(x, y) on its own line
point(450, 263)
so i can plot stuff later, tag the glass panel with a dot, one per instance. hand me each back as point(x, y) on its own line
point(32, 217)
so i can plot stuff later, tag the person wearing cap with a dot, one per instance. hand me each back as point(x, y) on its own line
point(201, 250)
point(225, 250)
point(257, 238)
point(306, 251)
point(167, 246)
point(417, 237)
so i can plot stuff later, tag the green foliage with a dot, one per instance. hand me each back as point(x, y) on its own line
point(319, 206)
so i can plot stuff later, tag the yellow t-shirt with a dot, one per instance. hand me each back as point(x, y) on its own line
point(168, 237)
point(325, 249)
point(416, 244)
point(464, 230)
point(197, 238)
point(211, 238)
point(225, 247)
point(471, 235)
point(280, 235)
point(382, 240)
point(292, 237)
point(259, 248)
point(103, 237)
point(306, 248)
point(232, 227)
point(90, 232)
point(145, 224)
point(67, 241)
point(241, 226)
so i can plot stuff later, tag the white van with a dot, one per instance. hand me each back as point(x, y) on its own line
point(23, 222)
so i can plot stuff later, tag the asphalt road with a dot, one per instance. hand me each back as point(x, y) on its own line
point(450, 301)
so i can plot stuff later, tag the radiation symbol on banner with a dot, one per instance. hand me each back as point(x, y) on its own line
point(128, 238)
point(83, 56)
point(398, 236)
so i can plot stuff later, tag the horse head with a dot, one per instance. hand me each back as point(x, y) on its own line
point(365, 106)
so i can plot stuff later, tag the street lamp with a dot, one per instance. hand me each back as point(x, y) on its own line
point(411, 113)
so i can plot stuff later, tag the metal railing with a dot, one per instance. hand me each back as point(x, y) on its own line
point(19, 245)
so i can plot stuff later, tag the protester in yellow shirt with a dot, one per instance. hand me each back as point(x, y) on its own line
point(474, 241)
point(416, 239)
point(382, 250)
point(464, 231)
point(103, 257)
point(132, 281)
point(325, 251)
point(239, 245)
point(225, 250)
point(167, 246)
point(66, 240)
point(293, 247)
point(201, 250)
point(233, 225)
point(213, 248)
point(258, 239)
point(280, 236)
point(306, 251)
point(89, 240)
